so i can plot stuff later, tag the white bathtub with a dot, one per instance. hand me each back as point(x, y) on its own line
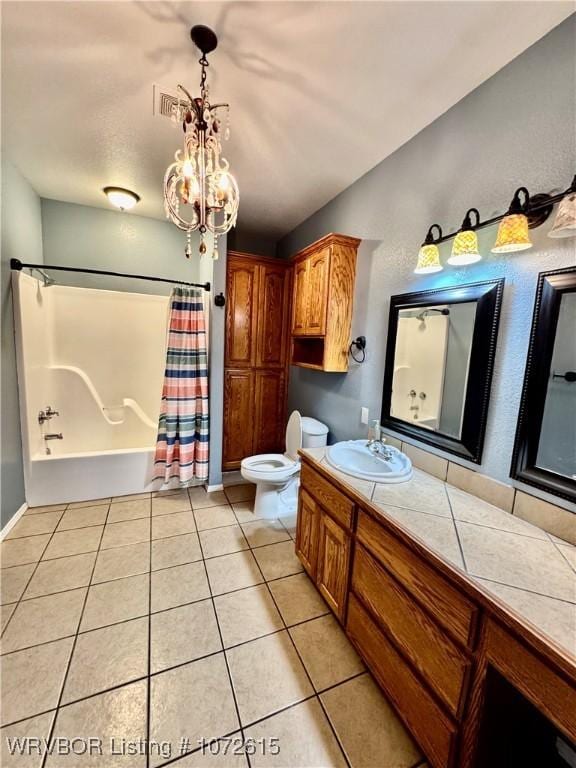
point(97, 358)
point(69, 477)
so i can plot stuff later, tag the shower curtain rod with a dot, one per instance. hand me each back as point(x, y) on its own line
point(18, 265)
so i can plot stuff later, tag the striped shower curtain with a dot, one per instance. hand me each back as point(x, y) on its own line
point(183, 429)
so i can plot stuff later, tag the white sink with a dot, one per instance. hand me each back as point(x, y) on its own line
point(354, 458)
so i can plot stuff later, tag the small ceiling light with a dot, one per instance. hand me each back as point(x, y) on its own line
point(565, 222)
point(429, 255)
point(513, 230)
point(465, 246)
point(121, 198)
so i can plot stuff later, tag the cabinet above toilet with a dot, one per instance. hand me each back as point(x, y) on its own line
point(323, 293)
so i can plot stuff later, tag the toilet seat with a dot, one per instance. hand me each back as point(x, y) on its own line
point(270, 467)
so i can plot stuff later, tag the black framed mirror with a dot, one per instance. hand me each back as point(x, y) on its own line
point(439, 361)
point(545, 447)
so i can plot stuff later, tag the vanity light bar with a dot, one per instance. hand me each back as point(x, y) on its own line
point(525, 212)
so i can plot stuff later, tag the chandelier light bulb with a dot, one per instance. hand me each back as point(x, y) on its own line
point(187, 169)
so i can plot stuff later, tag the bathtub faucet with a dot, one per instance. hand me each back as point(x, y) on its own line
point(53, 436)
point(47, 414)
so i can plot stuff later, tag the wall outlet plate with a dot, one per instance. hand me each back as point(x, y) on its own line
point(364, 414)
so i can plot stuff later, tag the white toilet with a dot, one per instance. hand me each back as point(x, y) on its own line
point(277, 475)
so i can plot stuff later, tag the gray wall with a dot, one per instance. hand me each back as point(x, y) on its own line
point(21, 239)
point(97, 238)
point(517, 128)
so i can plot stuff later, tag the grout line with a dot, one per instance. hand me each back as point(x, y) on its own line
point(303, 666)
point(75, 640)
point(230, 681)
point(34, 535)
point(173, 666)
point(524, 589)
point(27, 583)
point(559, 549)
point(160, 610)
point(156, 613)
point(456, 531)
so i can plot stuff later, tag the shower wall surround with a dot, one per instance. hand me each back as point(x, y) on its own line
point(518, 127)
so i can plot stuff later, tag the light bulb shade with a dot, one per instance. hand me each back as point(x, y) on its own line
point(428, 260)
point(121, 198)
point(465, 248)
point(512, 234)
point(565, 222)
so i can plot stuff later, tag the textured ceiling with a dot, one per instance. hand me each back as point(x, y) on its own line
point(319, 92)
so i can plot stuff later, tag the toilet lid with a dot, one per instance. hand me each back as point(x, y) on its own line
point(294, 435)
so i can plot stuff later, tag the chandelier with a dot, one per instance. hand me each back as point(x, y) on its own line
point(200, 193)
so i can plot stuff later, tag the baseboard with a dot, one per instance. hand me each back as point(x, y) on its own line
point(213, 488)
point(13, 520)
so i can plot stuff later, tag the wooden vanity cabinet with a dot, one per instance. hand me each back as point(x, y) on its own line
point(256, 356)
point(323, 293)
point(323, 542)
point(307, 533)
point(425, 634)
point(334, 546)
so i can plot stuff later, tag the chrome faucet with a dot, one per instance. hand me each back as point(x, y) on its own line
point(377, 444)
point(53, 436)
point(47, 414)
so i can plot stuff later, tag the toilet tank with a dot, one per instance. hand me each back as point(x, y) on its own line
point(314, 433)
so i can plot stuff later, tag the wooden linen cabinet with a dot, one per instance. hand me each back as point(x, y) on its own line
point(258, 292)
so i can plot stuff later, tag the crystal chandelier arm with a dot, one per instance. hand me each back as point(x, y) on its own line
point(181, 88)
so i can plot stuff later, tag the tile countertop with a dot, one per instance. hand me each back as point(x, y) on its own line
point(528, 570)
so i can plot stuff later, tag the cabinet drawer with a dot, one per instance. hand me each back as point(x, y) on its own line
point(335, 503)
point(450, 607)
point(430, 650)
point(433, 729)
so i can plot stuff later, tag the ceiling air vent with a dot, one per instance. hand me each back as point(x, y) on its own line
point(163, 103)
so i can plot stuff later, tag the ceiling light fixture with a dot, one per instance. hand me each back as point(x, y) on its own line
point(465, 245)
point(513, 229)
point(200, 193)
point(429, 255)
point(121, 198)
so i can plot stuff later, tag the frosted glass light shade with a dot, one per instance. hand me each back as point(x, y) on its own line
point(565, 222)
point(512, 234)
point(121, 198)
point(428, 260)
point(465, 248)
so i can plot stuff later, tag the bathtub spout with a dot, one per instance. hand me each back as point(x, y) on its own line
point(53, 436)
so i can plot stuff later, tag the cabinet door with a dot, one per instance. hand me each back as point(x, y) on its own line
point(307, 532)
point(300, 298)
point(333, 563)
point(269, 426)
point(241, 313)
point(317, 285)
point(273, 300)
point(238, 417)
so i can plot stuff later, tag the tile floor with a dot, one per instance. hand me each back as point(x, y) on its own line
point(177, 618)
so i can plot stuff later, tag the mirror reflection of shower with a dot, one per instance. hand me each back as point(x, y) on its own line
point(431, 364)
